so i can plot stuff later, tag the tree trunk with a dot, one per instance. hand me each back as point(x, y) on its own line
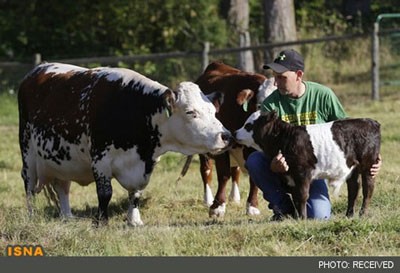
point(279, 25)
point(238, 17)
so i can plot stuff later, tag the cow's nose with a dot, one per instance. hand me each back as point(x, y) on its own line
point(227, 137)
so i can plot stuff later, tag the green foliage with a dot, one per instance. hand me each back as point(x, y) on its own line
point(58, 29)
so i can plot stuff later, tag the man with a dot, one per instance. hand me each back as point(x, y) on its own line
point(297, 102)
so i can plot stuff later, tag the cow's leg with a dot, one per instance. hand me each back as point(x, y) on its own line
point(206, 166)
point(62, 189)
point(29, 176)
point(367, 188)
point(223, 173)
point(133, 211)
point(252, 200)
point(104, 191)
point(353, 187)
point(234, 196)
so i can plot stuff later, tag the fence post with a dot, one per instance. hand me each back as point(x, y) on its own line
point(204, 57)
point(375, 62)
point(37, 59)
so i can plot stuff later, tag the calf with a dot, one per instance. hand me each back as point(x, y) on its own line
point(337, 150)
point(242, 93)
point(97, 124)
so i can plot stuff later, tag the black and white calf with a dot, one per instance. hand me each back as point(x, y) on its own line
point(85, 125)
point(338, 150)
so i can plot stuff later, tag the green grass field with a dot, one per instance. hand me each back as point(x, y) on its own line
point(177, 222)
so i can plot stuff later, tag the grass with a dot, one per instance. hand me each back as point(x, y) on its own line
point(177, 222)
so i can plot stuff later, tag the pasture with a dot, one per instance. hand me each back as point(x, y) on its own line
point(177, 222)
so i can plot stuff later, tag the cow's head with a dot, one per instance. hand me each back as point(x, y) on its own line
point(245, 135)
point(192, 127)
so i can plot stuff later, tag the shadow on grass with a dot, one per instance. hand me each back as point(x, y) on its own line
point(90, 212)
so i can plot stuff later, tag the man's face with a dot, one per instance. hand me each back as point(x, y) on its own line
point(287, 82)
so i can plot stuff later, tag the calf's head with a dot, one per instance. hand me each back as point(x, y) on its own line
point(256, 128)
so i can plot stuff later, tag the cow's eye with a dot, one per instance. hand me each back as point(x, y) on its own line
point(192, 113)
point(248, 127)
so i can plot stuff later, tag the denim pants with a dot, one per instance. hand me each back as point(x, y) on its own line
point(318, 203)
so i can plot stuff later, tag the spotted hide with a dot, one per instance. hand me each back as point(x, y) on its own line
point(86, 125)
point(337, 151)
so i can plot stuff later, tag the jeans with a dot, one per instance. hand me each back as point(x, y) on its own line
point(318, 203)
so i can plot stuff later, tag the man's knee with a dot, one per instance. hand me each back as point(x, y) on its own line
point(254, 160)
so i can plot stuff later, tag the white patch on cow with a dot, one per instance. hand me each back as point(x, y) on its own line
point(265, 89)
point(77, 169)
point(58, 68)
point(113, 74)
point(235, 193)
point(244, 136)
point(331, 163)
point(208, 196)
point(128, 168)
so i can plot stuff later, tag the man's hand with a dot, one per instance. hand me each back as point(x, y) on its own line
point(278, 164)
point(376, 167)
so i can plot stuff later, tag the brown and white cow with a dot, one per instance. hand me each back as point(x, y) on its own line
point(339, 150)
point(242, 93)
point(86, 125)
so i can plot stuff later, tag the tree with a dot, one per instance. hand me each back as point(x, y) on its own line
point(279, 24)
point(238, 17)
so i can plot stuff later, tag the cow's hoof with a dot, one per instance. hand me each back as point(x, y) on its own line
point(136, 224)
point(252, 211)
point(218, 211)
point(134, 219)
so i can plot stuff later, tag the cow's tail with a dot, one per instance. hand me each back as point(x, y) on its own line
point(185, 167)
point(51, 196)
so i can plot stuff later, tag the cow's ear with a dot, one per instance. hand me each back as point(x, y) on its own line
point(169, 99)
point(244, 97)
point(217, 99)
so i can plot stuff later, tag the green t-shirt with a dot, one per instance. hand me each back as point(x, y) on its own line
point(317, 105)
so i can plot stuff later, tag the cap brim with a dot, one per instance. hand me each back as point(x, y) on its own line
point(276, 67)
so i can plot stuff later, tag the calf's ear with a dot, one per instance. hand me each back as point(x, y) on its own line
point(244, 97)
point(169, 99)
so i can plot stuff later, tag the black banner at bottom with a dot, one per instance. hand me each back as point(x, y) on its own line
point(202, 264)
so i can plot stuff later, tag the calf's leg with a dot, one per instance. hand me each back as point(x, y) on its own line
point(368, 185)
point(352, 192)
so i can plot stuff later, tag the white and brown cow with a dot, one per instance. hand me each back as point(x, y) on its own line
point(242, 93)
point(339, 150)
point(85, 125)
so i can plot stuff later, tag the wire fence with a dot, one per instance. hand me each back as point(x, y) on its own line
point(172, 67)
